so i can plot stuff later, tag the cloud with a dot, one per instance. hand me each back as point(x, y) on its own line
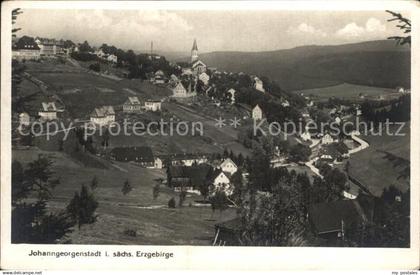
point(352, 30)
point(126, 29)
point(306, 29)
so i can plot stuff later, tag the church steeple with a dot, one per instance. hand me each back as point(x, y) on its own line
point(194, 51)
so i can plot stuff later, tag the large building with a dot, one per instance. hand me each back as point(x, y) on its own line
point(132, 105)
point(26, 49)
point(103, 116)
point(50, 47)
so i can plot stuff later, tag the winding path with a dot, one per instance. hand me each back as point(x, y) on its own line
point(363, 145)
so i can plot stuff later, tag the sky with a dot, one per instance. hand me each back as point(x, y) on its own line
point(174, 30)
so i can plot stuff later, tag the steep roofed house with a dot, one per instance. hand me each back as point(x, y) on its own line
point(204, 78)
point(221, 182)
point(198, 67)
point(50, 47)
point(232, 92)
point(229, 166)
point(153, 105)
point(159, 77)
point(48, 111)
point(103, 116)
point(143, 155)
point(173, 79)
point(257, 113)
point(26, 49)
point(259, 85)
point(330, 220)
point(327, 139)
point(182, 94)
point(132, 105)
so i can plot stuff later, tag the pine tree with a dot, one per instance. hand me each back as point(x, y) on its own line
point(82, 207)
point(126, 188)
point(94, 183)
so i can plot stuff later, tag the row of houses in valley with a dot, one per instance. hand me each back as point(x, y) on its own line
point(329, 221)
point(134, 105)
point(28, 48)
point(106, 56)
point(214, 176)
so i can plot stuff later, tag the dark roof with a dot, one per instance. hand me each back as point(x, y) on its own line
point(196, 175)
point(194, 47)
point(140, 154)
point(328, 217)
point(235, 224)
point(215, 174)
point(26, 43)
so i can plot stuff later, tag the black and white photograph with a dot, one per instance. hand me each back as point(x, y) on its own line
point(209, 127)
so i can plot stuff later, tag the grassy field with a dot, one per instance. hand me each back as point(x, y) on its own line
point(372, 167)
point(348, 91)
point(153, 221)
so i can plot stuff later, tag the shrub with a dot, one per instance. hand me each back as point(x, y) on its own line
point(130, 232)
point(95, 67)
point(172, 203)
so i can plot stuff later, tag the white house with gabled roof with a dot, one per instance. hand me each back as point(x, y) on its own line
point(48, 111)
point(229, 166)
point(257, 113)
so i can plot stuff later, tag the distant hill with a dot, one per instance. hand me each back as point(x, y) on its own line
point(376, 63)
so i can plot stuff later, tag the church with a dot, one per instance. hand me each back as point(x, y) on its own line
point(197, 66)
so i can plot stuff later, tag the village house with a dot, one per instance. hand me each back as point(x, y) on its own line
point(229, 166)
point(48, 111)
point(132, 105)
point(153, 105)
point(24, 119)
point(401, 90)
point(327, 139)
point(337, 120)
point(112, 58)
point(285, 103)
point(221, 182)
point(142, 155)
point(189, 178)
point(204, 78)
point(158, 164)
point(186, 71)
point(187, 159)
point(159, 77)
point(100, 53)
point(25, 49)
point(103, 116)
point(198, 67)
point(173, 79)
point(258, 84)
point(50, 47)
point(257, 113)
point(232, 92)
point(182, 94)
point(330, 220)
point(306, 136)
